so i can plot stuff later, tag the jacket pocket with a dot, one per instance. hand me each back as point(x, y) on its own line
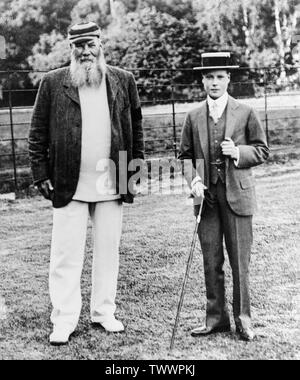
point(247, 183)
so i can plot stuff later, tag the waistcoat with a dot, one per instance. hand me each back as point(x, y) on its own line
point(216, 137)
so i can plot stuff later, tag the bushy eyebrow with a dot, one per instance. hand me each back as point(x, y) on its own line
point(82, 44)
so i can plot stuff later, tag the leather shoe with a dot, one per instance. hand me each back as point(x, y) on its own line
point(111, 325)
point(205, 330)
point(245, 334)
point(60, 336)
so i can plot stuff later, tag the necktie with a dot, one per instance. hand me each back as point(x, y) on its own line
point(214, 112)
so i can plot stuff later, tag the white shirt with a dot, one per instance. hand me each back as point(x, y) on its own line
point(96, 181)
point(220, 103)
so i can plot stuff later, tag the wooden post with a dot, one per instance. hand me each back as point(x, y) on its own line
point(12, 131)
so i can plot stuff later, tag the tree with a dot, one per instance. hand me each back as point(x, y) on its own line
point(180, 9)
point(131, 5)
point(153, 33)
point(52, 51)
point(153, 40)
point(98, 11)
point(286, 14)
point(250, 26)
point(29, 19)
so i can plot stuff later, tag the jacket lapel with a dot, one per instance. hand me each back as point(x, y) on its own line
point(203, 134)
point(70, 90)
point(113, 86)
point(231, 117)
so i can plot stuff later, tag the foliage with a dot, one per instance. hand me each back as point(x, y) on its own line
point(250, 24)
point(51, 52)
point(154, 40)
point(181, 9)
point(154, 33)
point(92, 10)
point(26, 21)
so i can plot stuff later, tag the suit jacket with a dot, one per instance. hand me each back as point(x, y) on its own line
point(56, 128)
point(244, 128)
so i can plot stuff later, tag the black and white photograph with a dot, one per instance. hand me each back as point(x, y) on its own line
point(150, 183)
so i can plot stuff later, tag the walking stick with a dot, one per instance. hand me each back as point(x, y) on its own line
point(188, 268)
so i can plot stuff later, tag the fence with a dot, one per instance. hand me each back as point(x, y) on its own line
point(166, 95)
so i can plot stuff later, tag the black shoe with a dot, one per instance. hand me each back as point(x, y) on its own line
point(245, 334)
point(205, 330)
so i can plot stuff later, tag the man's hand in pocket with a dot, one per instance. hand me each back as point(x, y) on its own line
point(46, 189)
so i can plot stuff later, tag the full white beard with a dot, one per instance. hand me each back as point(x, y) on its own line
point(87, 74)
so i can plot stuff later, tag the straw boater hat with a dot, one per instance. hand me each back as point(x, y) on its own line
point(216, 61)
point(83, 32)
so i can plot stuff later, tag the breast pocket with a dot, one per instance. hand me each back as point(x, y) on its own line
point(247, 183)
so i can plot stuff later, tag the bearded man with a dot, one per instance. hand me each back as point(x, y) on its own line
point(83, 117)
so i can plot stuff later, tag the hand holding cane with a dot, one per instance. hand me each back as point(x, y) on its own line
point(189, 264)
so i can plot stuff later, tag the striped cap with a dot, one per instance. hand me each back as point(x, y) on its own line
point(83, 32)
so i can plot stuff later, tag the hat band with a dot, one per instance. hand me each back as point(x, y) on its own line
point(215, 61)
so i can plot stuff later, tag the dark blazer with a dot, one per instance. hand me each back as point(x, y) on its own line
point(56, 128)
point(244, 128)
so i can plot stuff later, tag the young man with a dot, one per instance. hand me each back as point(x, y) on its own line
point(224, 139)
point(83, 117)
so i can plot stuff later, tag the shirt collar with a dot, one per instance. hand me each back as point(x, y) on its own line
point(220, 102)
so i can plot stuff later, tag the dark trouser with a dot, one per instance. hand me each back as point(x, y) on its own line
point(220, 221)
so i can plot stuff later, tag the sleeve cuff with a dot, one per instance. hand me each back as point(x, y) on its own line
point(195, 180)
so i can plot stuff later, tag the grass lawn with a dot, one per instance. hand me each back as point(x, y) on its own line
point(154, 250)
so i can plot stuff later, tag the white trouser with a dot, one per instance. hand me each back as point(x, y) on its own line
point(67, 257)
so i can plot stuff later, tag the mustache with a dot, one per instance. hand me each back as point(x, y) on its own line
point(87, 72)
point(78, 57)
